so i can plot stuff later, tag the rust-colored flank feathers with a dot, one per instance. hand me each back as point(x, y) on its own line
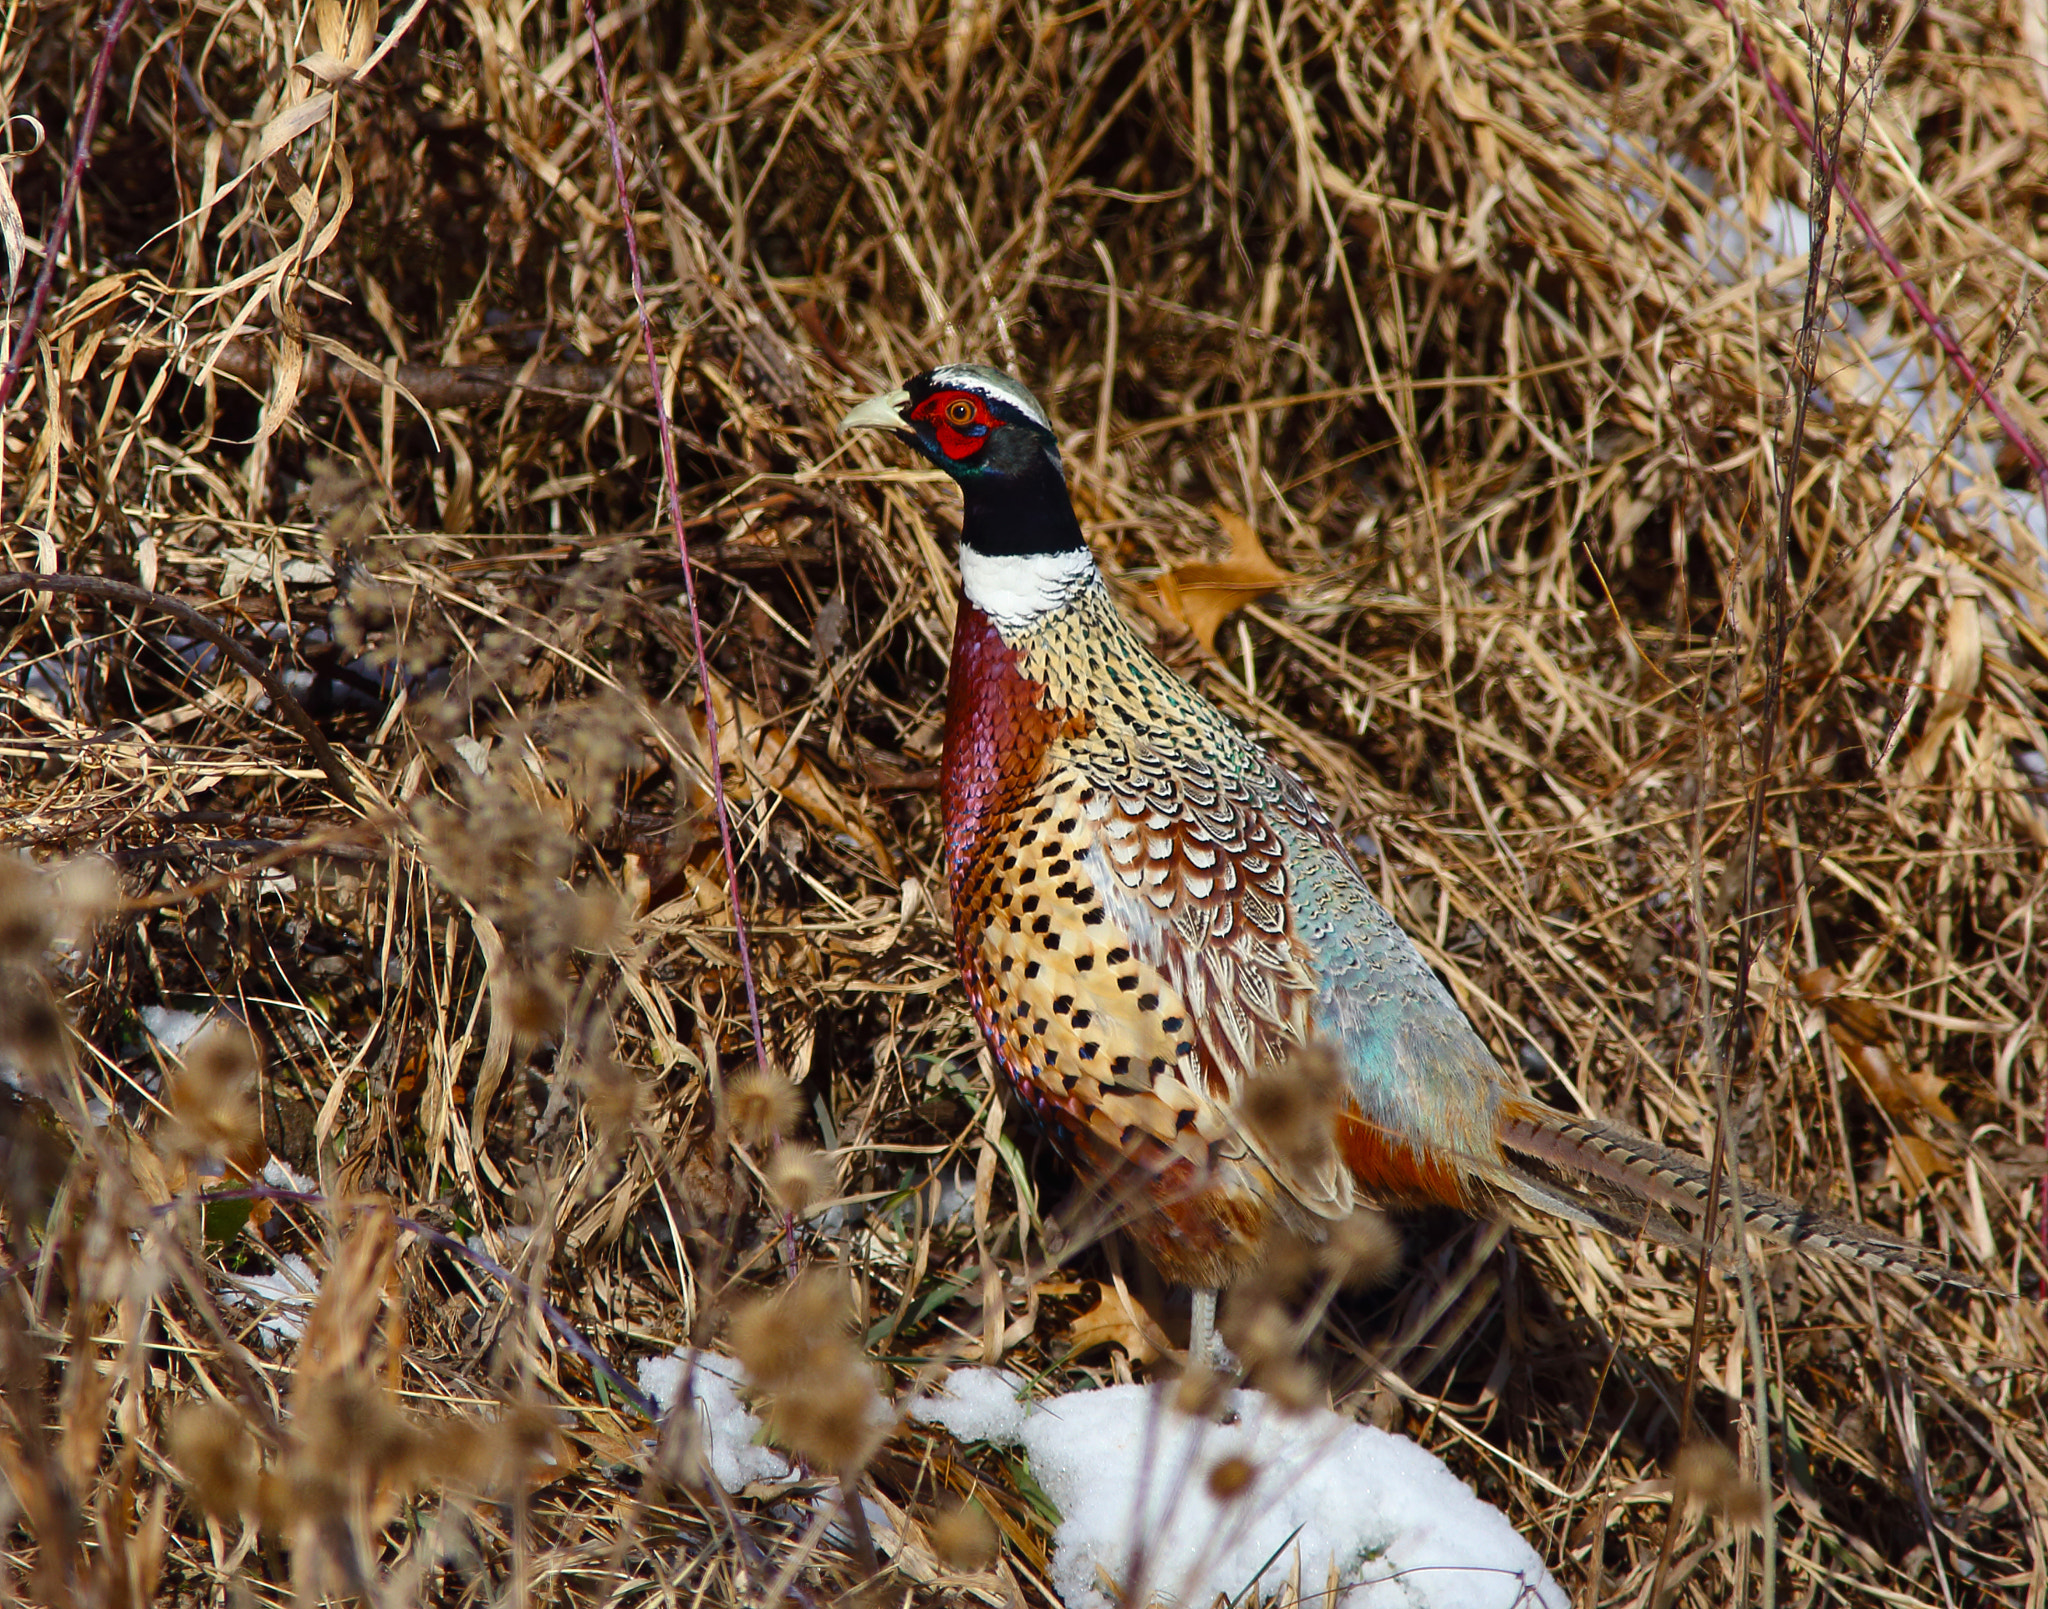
point(1151, 914)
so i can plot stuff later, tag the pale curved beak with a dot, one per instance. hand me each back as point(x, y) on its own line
point(880, 413)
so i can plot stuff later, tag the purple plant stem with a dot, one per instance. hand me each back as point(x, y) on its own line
point(1918, 302)
point(675, 514)
point(81, 158)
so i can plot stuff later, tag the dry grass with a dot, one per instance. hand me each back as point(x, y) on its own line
point(1406, 292)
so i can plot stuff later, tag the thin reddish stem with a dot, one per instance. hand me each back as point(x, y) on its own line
point(675, 514)
point(1914, 297)
point(81, 159)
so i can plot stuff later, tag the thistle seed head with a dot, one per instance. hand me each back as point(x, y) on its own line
point(1362, 1250)
point(798, 1348)
point(1291, 1108)
point(1708, 1473)
point(1231, 1477)
point(211, 1447)
point(759, 1108)
point(797, 1177)
point(964, 1538)
point(213, 1096)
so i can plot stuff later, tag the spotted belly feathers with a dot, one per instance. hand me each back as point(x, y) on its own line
point(1121, 913)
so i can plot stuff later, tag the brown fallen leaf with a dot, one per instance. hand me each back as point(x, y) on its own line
point(1917, 1163)
point(1203, 595)
point(1864, 1034)
point(767, 759)
point(1113, 1319)
point(1903, 1091)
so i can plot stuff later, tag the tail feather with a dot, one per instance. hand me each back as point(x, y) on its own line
point(1613, 1173)
point(1593, 1205)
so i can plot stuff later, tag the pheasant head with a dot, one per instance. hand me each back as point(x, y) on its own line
point(1022, 555)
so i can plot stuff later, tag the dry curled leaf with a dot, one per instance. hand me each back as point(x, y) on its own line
point(13, 232)
point(1864, 1035)
point(1957, 673)
point(1112, 1319)
point(768, 758)
point(1203, 594)
point(1916, 1163)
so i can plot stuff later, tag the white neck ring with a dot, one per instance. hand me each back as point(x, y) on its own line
point(1016, 590)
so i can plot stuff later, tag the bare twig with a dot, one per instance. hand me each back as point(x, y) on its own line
point(1737, 1043)
point(440, 385)
point(93, 586)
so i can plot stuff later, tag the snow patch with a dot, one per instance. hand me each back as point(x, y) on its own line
point(282, 1299)
point(732, 1436)
point(1329, 1503)
point(281, 1175)
point(172, 1028)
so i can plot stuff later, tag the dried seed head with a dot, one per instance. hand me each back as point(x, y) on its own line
point(213, 1450)
point(506, 857)
point(533, 1004)
point(1256, 1326)
point(760, 1107)
point(530, 1436)
point(213, 1097)
point(611, 1094)
point(798, 1348)
point(797, 1176)
point(490, 1457)
point(598, 919)
point(1231, 1477)
point(1290, 1382)
point(423, 648)
point(334, 487)
point(458, 1453)
point(834, 1419)
point(1286, 1263)
point(1200, 1392)
point(31, 1026)
point(222, 1053)
point(1362, 1250)
point(1291, 1109)
point(25, 909)
point(1707, 1472)
point(964, 1538)
point(374, 601)
point(349, 1425)
point(778, 1337)
point(85, 889)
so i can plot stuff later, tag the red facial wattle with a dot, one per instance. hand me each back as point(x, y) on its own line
point(959, 422)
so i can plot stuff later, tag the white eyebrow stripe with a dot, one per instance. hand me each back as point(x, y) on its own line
point(973, 377)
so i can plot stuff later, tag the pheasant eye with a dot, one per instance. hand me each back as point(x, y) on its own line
point(960, 412)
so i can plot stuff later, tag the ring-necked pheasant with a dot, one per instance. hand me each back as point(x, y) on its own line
point(1149, 910)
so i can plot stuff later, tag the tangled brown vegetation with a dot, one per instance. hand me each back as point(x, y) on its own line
point(1427, 390)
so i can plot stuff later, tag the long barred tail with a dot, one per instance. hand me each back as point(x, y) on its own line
point(1594, 1173)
